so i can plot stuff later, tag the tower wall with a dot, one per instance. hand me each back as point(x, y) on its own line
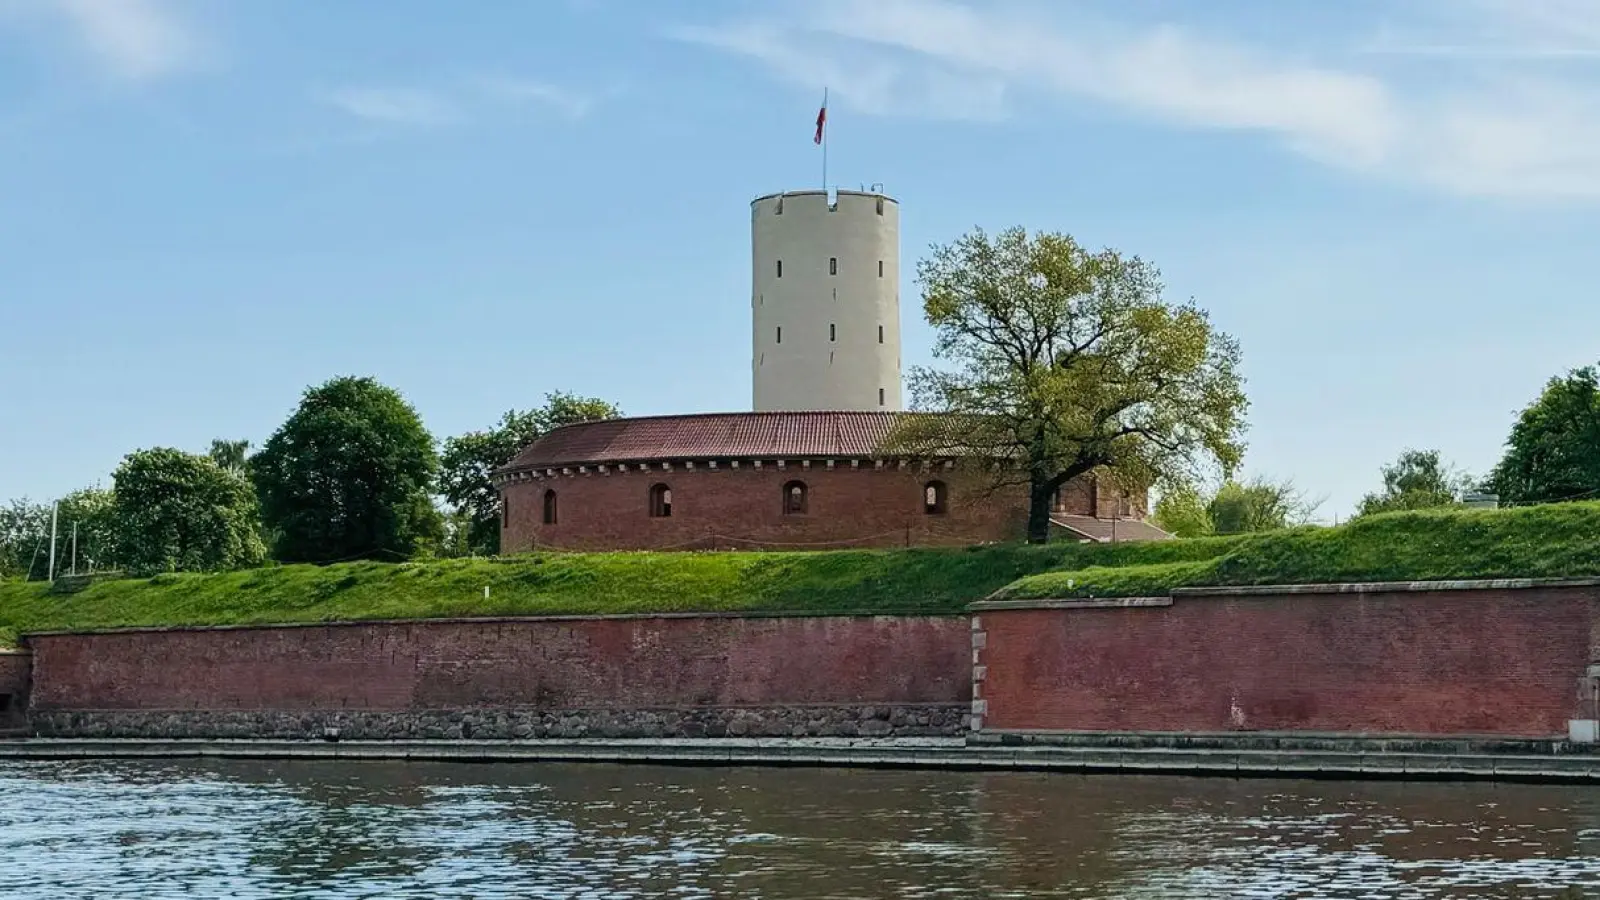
point(828, 276)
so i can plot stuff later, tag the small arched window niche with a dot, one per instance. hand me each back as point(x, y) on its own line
point(935, 498)
point(795, 498)
point(550, 507)
point(660, 501)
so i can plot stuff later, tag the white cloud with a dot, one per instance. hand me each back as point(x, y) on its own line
point(135, 39)
point(521, 90)
point(1507, 107)
point(393, 106)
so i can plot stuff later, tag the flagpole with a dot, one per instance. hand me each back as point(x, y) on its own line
point(825, 131)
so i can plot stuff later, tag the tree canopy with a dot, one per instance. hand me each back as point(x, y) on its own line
point(468, 460)
point(1553, 452)
point(1260, 504)
point(175, 511)
point(1418, 479)
point(1063, 361)
point(348, 476)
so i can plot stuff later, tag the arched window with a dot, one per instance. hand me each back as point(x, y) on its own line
point(550, 507)
point(794, 498)
point(660, 501)
point(935, 498)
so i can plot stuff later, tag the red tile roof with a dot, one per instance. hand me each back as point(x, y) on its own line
point(747, 435)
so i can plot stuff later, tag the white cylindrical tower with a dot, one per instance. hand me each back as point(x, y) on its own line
point(825, 300)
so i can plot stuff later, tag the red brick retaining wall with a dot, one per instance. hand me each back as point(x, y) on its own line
point(1357, 658)
point(692, 674)
point(15, 677)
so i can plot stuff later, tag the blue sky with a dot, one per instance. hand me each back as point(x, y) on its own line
point(207, 205)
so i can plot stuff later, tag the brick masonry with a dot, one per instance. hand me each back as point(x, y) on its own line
point(680, 676)
point(728, 508)
point(15, 677)
point(1347, 659)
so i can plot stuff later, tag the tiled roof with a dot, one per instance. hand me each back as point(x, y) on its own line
point(712, 436)
point(1106, 530)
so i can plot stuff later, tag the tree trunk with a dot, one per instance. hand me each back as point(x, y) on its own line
point(1041, 497)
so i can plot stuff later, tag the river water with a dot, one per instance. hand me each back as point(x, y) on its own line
point(409, 830)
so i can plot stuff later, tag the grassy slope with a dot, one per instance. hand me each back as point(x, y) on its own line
point(1548, 541)
point(1556, 540)
point(933, 580)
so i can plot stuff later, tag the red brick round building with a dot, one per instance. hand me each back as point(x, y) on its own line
point(770, 480)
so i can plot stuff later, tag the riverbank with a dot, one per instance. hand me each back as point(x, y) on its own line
point(902, 753)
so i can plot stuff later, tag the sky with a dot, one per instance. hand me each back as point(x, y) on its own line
point(207, 206)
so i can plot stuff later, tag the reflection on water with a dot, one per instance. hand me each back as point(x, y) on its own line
point(336, 830)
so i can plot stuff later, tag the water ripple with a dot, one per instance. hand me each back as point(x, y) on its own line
point(156, 830)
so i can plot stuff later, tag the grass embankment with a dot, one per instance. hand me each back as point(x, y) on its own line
point(866, 581)
point(1548, 541)
point(1559, 540)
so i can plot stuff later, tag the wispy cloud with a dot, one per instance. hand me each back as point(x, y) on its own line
point(393, 106)
point(1501, 120)
point(133, 39)
point(566, 101)
point(461, 101)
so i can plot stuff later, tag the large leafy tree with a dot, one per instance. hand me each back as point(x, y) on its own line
point(1064, 362)
point(89, 514)
point(24, 527)
point(175, 511)
point(231, 455)
point(1417, 479)
point(349, 476)
point(1181, 510)
point(1260, 504)
point(1553, 452)
point(468, 460)
point(1234, 507)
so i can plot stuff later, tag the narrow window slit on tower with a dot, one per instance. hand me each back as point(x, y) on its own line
point(833, 331)
point(880, 268)
point(833, 265)
point(780, 334)
point(880, 334)
point(780, 268)
point(880, 396)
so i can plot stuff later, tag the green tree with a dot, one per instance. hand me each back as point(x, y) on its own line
point(1418, 479)
point(348, 476)
point(24, 527)
point(1065, 362)
point(1181, 510)
point(468, 460)
point(1260, 504)
point(1553, 452)
point(93, 512)
point(231, 455)
point(176, 511)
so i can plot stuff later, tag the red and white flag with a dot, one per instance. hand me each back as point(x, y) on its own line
point(822, 118)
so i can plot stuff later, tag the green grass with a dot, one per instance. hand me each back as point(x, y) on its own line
point(867, 581)
point(1557, 540)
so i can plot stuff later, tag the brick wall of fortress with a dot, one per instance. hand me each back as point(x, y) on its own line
point(618, 677)
point(730, 508)
point(1509, 662)
point(15, 678)
point(1499, 660)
